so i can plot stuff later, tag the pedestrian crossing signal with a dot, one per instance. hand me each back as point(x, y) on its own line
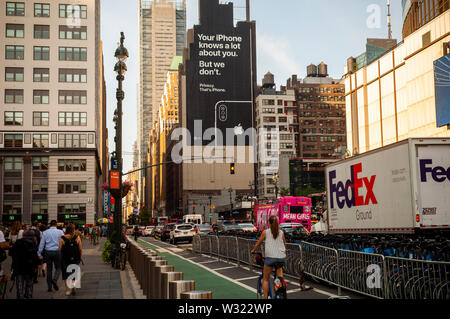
point(232, 169)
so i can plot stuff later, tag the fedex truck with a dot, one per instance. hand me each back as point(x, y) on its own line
point(401, 188)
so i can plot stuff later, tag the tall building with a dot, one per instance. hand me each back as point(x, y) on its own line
point(162, 36)
point(276, 111)
point(52, 127)
point(400, 94)
point(322, 134)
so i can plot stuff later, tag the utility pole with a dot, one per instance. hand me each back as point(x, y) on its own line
point(389, 20)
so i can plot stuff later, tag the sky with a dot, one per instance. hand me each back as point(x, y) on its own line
point(290, 35)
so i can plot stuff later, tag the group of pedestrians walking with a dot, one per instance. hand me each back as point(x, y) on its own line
point(37, 251)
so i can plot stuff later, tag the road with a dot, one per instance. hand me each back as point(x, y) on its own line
point(225, 279)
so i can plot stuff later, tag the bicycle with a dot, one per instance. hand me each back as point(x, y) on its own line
point(119, 259)
point(279, 284)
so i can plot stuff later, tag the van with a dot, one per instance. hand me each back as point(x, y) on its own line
point(193, 219)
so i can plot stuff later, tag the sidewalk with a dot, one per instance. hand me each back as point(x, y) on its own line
point(98, 280)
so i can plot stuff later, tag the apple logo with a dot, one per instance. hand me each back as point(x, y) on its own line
point(238, 130)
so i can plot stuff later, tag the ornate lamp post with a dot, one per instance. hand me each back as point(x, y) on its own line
point(120, 68)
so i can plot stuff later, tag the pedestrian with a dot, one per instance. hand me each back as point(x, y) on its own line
point(86, 232)
point(90, 233)
point(71, 250)
point(42, 268)
point(136, 232)
point(24, 264)
point(275, 251)
point(37, 236)
point(16, 232)
point(50, 247)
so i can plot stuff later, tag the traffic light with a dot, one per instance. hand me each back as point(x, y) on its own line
point(232, 169)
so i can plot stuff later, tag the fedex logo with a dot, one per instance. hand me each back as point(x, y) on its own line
point(355, 183)
point(439, 174)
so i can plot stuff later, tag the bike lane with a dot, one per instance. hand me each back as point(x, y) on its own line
point(205, 279)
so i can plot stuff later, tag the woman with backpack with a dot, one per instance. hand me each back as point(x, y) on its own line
point(71, 250)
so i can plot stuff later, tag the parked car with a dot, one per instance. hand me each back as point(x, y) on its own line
point(182, 232)
point(141, 229)
point(147, 231)
point(156, 232)
point(229, 227)
point(297, 229)
point(248, 227)
point(203, 229)
point(165, 233)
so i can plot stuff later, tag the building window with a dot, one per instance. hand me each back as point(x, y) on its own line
point(41, 31)
point(40, 188)
point(72, 119)
point(73, 75)
point(13, 140)
point(13, 163)
point(14, 30)
point(14, 96)
point(41, 53)
point(42, 10)
point(40, 208)
point(71, 165)
point(15, 9)
point(41, 75)
point(72, 188)
point(71, 208)
point(40, 163)
point(71, 33)
point(72, 140)
point(12, 208)
point(14, 52)
point(41, 96)
point(14, 118)
point(72, 11)
point(40, 140)
point(12, 188)
point(14, 74)
point(72, 54)
point(72, 97)
point(40, 118)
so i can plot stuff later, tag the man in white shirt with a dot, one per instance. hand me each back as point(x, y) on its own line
point(3, 245)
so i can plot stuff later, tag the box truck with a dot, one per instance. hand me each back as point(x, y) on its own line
point(401, 188)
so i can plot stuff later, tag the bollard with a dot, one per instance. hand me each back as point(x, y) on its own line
point(153, 264)
point(196, 295)
point(167, 277)
point(158, 270)
point(147, 267)
point(179, 286)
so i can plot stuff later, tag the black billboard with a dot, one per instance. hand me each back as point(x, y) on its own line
point(217, 68)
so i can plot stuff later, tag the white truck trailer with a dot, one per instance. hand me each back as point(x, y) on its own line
point(400, 188)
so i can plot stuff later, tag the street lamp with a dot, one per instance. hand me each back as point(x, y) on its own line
point(120, 68)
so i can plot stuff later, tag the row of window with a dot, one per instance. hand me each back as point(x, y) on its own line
point(321, 90)
point(42, 53)
point(42, 118)
point(324, 138)
point(43, 32)
point(42, 10)
point(40, 207)
point(322, 98)
point(42, 140)
point(16, 96)
point(322, 106)
point(41, 163)
point(16, 74)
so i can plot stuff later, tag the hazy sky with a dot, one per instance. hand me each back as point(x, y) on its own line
point(291, 34)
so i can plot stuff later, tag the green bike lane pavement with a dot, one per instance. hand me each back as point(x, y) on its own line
point(204, 278)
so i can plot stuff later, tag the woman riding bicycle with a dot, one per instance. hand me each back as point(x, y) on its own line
point(275, 251)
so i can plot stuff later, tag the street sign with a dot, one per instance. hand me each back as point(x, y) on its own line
point(115, 180)
point(210, 215)
point(114, 164)
point(135, 211)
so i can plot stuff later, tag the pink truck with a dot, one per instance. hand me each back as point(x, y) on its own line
point(288, 210)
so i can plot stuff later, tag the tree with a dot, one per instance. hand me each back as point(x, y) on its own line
point(144, 217)
point(285, 192)
point(132, 220)
point(304, 192)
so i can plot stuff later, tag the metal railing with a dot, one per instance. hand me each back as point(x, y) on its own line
point(372, 275)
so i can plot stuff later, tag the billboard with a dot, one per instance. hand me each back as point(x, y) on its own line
point(218, 77)
point(442, 90)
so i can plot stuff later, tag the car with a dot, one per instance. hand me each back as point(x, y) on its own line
point(147, 231)
point(156, 232)
point(130, 230)
point(182, 232)
point(203, 229)
point(248, 227)
point(297, 229)
point(165, 233)
point(230, 227)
